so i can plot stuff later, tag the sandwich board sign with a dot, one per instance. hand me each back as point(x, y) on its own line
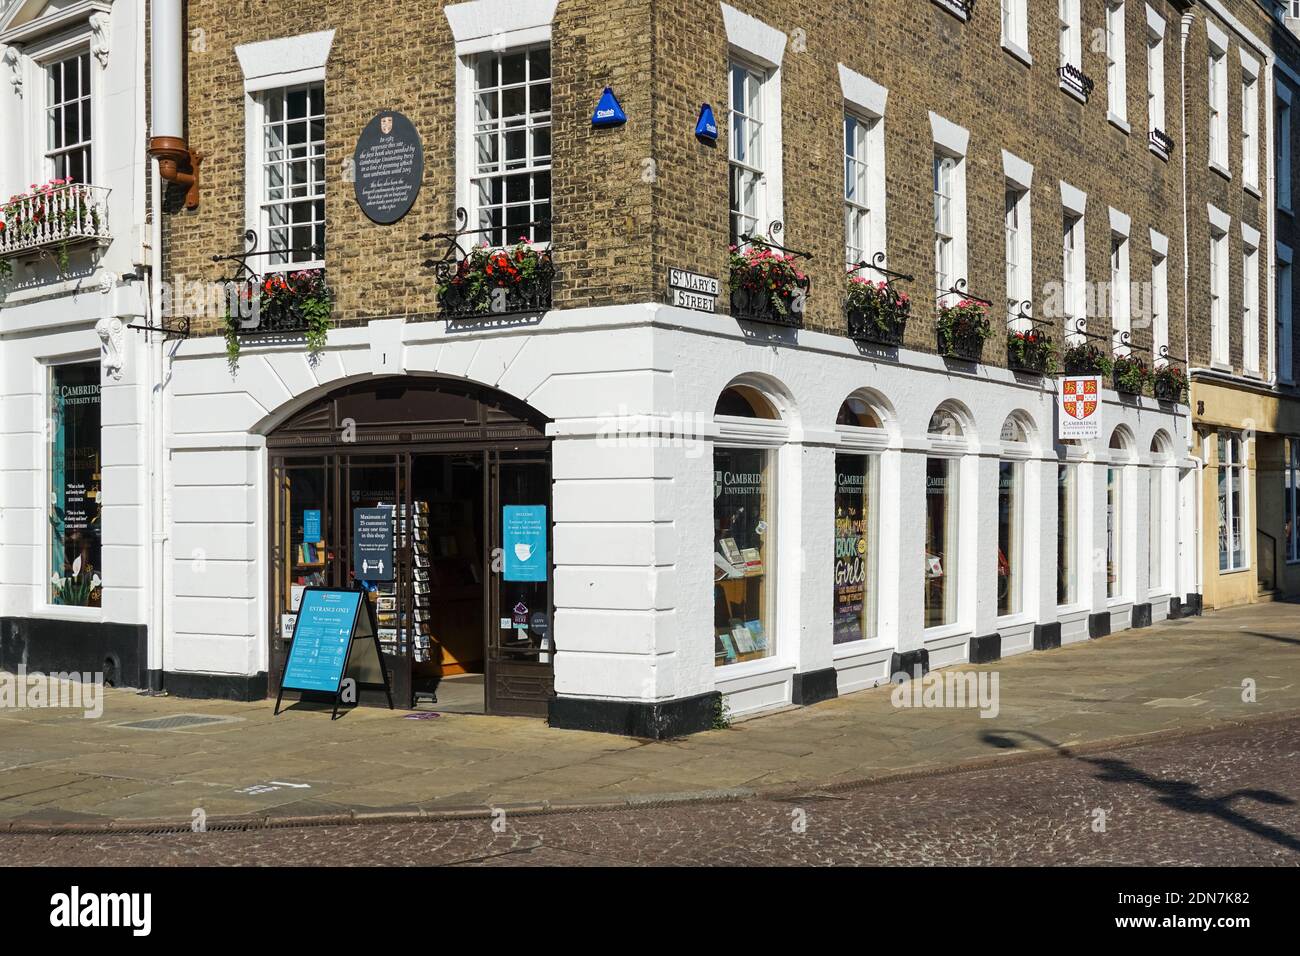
point(1078, 407)
point(333, 628)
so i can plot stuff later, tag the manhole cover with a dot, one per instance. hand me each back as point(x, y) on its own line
point(177, 722)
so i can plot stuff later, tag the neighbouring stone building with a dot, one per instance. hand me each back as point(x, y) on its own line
point(752, 396)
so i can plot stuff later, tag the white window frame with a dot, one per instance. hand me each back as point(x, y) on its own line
point(1068, 526)
point(1220, 354)
point(1121, 306)
point(84, 104)
point(1250, 85)
point(259, 185)
point(950, 238)
point(1074, 269)
point(1159, 296)
point(1283, 147)
point(270, 65)
point(1070, 34)
point(864, 101)
point(1156, 117)
point(1116, 514)
point(1283, 360)
point(1217, 100)
point(1015, 29)
point(1250, 240)
point(1116, 65)
point(1234, 532)
point(761, 48)
point(1159, 544)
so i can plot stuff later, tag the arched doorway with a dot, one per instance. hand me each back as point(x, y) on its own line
point(465, 471)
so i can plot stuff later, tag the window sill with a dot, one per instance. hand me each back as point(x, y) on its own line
point(1017, 51)
point(1286, 208)
point(953, 7)
point(870, 645)
point(943, 631)
point(1119, 604)
point(69, 613)
point(725, 673)
point(1158, 152)
point(1228, 571)
point(1221, 170)
point(1119, 123)
point(1071, 91)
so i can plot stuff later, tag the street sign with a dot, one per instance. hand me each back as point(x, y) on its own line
point(691, 290)
point(372, 543)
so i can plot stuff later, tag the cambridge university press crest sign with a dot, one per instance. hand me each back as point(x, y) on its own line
point(1078, 406)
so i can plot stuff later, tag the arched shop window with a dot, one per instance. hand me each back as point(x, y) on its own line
point(1011, 514)
point(1159, 504)
point(1116, 519)
point(947, 437)
point(857, 504)
point(750, 432)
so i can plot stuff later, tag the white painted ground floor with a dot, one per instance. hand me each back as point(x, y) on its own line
point(768, 515)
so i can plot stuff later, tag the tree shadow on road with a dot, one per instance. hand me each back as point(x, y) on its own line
point(1181, 795)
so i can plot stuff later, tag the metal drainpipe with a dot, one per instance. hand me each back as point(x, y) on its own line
point(1197, 556)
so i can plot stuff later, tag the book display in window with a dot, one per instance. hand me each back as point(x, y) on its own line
point(741, 561)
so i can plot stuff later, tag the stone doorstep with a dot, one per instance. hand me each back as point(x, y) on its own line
point(266, 820)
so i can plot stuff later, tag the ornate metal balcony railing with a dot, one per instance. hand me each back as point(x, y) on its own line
point(1077, 80)
point(57, 217)
point(1162, 142)
point(1130, 373)
point(753, 296)
point(291, 301)
point(481, 282)
point(962, 327)
point(1029, 350)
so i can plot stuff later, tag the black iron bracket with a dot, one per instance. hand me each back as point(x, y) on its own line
point(1164, 355)
point(1081, 328)
point(455, 250)
point(774, 229)
point(183, 332)
point(244, 272)
point(1126, 342)
point(877, 264)
point(1025, 314)
point(959, 289)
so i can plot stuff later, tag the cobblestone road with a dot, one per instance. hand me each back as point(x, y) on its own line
point(1228, 797)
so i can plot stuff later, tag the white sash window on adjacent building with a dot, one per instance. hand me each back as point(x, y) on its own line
point(1018, 254)
point(1250, 301)
point(1159, 300)
point(510, 183)
point(292, 196)
point(944, 236)
point(1250, 123)
point(67, 119)
point(857, 189)
point(1218, 104)
point(1219, 296)
point(1121, 318)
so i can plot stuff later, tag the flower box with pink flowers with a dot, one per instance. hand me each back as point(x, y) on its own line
point(876, 312)
point(767, 286)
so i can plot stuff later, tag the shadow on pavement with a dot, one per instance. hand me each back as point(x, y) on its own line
point(1179, 795)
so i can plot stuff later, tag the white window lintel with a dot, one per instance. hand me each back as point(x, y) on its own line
point(1220, 221)
point(863, 94)
point(286, 61)
point(1120, 223)
point(1155, 22)
point(1017, 170)
point(1073, 199)
point(1250, 236)
point(1249, 65)
point(948, 136)
point(753, 37)
point(1159, 244)
point(1217, 36)
point(483, 25)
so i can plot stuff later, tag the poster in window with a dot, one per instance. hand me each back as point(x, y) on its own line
point(75, 501)
point(852, 547)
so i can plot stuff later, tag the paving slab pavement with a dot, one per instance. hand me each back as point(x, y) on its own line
point(1177, 677)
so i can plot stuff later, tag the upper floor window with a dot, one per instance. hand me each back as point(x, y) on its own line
point(747, 153)
point(857, 189)
point(1218, 102)
point(291, 202)
point(1073, 274)
point(944, 231)
point(1015, 27)
point(67, 119)
point(510, 181)
point(1219, 296)
point(1283, 147)
point(1018, 245)
point(1120, 317)
point(1116, 62)
point(1156, 82)
point(1068, 27)
point(1250, 129)
point(1293, 10)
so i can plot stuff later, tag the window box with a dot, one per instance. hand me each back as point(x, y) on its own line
point(1075, 79)
point(1162, 143)
point(1169, 384)
point(766, 286)
point(876, 312)
point(1030, 351)
point(962, 330)
point(55, 216)
point(497, 282)
point(1130, 375)
point(280, 303)
point(961, 9)
point(1085, 358)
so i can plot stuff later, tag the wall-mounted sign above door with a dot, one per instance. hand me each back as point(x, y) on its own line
point(389, 166)
point(690, 290)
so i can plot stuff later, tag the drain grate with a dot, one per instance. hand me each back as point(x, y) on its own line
point(177, 722)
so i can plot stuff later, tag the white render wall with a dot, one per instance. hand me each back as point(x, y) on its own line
point(633, 518)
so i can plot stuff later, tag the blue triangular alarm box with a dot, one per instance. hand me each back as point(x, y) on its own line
point(706, 130)
point(608, 111)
